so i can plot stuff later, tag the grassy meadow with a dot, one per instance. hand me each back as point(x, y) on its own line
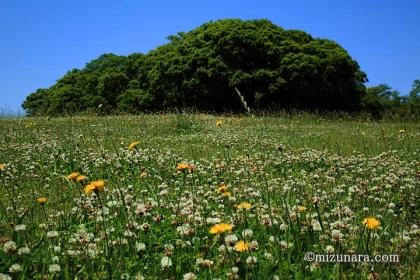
point(195, 196)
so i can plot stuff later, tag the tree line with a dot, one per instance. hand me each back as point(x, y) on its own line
point(272, 68)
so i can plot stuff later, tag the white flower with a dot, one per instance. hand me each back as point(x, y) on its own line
point(336, 234)
point(268, 256)
point(140, 247)
point(251, 260)
point(52, 234)
point(15, 268)
point(235, 270)
point(20, 227)
point(24, 251)
point(57, 249)
point(329, 249)
point(165, 262)
point(139, 277)
point(5, 277)
point(253, 245)
point(247, 232)
point(283, 244)
point(189, 276)
point(231, 239)
point(55, 259)
point(54, 268)
point(9, 247)
point(71, 253)
point(316, 226)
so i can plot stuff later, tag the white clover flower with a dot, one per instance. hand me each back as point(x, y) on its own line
point(336, 234)
point(52, 234)
point(316, 226)
point(139, 277)
point(283, 244)
point(329, 249)
point(57, 249)
point(247, 232)
point(268, 256)
point(231, 239)
point(55, 259)
point(20, 228)
point(189, 276)
point(9, 247)
point(165, 262)
point(15, 268)
point(54, 268)
point(24, 251)
point(235, 270)
point(253, 245)
point(5, 277)
point(251, 260)
point(140, 247)
point(71, 253)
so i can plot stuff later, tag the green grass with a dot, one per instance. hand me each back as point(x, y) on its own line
point(340, 170)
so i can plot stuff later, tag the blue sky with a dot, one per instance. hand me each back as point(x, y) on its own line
point(41, 40)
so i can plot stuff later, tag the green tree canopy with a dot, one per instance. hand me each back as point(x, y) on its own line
point(271, 66)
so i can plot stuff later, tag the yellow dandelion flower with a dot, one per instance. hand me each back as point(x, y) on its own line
point(220, 228)
point(227, 194)
point(244, 205)
point(371, 223)
point(301, 209)
point(134, 145)
point(80, 178)
point(182, 166)
point(99, 185)
point(2, 166)
point(219, 123)
point(241, 246)
point(222, 188)
point(89, 189)
point(96, 186)
point(41, 200)
point(73, 176)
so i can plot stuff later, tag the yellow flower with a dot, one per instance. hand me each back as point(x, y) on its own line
point(73, 176)
point(301, 209)
point(241, 246)
point(184, 166)
point(219, 123)
point(97, 186)
point(181, 166)
point(371, 223)
point(222, 188)
point(227, 194)
point(80, 178)
point(89, 189)
point(402, 131)
point(2, 166)
point(134, 145)
point(243, 205)
point(221, 228)
point(41, 200)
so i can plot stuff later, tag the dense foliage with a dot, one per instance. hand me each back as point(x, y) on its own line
point(270, 66)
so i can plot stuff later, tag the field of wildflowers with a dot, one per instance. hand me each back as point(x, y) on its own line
point(192, 196)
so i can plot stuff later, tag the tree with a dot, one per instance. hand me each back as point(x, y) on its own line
point(271, 66)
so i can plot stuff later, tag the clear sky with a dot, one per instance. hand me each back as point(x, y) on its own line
point(41, 40)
